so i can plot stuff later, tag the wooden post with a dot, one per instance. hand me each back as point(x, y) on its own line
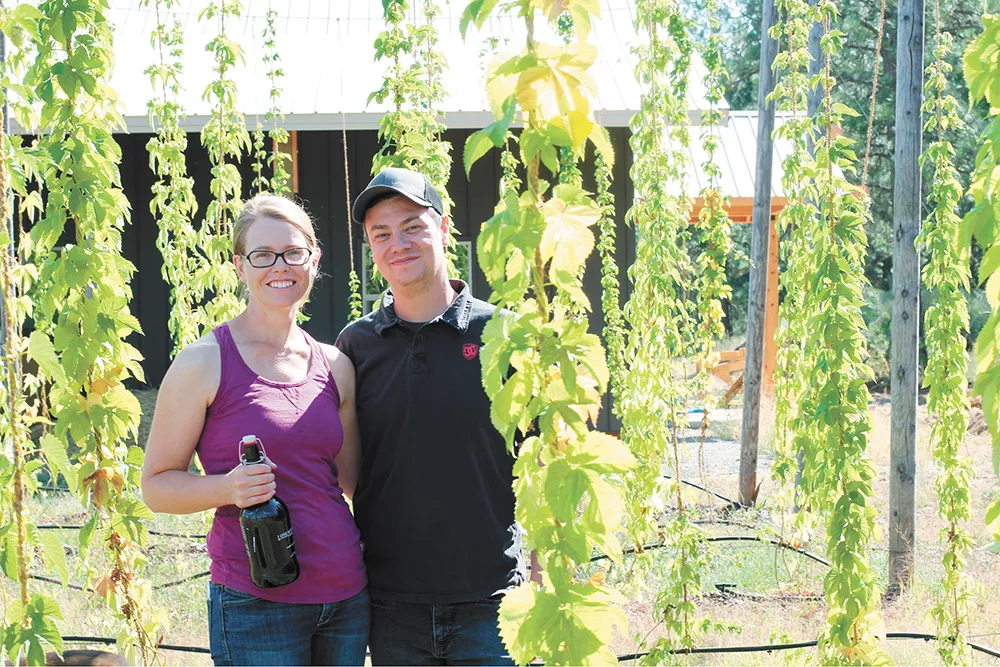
point(759, 242)
point(293, 137)
point(771, 312)
point(905, 293)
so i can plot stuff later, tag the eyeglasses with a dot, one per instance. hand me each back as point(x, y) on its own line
point(262, 259)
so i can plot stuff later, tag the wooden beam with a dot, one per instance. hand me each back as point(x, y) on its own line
point(771, 314)
point(740, 209)
point(291, 149)
point(905, 294)
point(760, 237)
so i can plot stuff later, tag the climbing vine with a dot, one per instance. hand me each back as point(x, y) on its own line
point(797, 221)
point(258, 154)
point(713, 222)
point(278, 160)
point(714, 230)
point(614, 321)
point(649, 406)
point(659, 317)
point(411, 132)
point(543, 372)
point(946, 321)
point(30, 621)
point(834, 400)
point(173, 203)
point(225, 137)
point(80, 300)
point(981, 66)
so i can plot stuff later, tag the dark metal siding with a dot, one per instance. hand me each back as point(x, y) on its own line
point(321, 191)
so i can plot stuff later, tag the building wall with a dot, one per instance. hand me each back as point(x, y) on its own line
point(321, 190)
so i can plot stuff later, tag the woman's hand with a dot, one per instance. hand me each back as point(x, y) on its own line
point(251, 484)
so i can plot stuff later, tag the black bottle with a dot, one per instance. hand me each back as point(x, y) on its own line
point(267, 531)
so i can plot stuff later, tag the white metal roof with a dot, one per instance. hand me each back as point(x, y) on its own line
point(737, 156)
point(327, 54)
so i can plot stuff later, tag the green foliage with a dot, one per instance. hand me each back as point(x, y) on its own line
point(659, 336)
point(823, 407)
point(543, 372)
point(225, 138)
point(79, 302)
point(854, 65)
point(28, 623)
point(798, 220)
point(657, 315)
point(278, 160)
point(411, 132)
point(714, 225)
point(946, 321)
point(614, 321)
point(173, 203)
point(259, 155)
point(982, 74)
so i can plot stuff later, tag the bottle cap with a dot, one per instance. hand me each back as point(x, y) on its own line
point(251, 450)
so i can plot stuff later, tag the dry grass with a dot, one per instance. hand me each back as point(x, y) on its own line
point(753, 568)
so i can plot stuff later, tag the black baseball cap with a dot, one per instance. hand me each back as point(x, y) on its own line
point(411, 184)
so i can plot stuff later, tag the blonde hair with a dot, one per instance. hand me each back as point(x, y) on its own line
point(272, 206)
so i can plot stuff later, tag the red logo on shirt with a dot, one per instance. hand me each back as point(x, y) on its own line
point(470, 350)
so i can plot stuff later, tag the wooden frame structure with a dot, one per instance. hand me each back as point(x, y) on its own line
point(732, 362)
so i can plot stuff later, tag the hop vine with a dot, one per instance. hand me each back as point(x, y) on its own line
point(31, 619)
point(946, 321)
point(614, 321)
point(226, 139)
point(799, 220)
point(543, 372)
point(81, 298)
point(173, 203)
point(837, 472)
point(981, 67)
point(411, 132)
point(713, 222)
point(277, 159)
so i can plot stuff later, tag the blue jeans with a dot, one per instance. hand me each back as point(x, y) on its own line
point(417, 633)
point(247, 630)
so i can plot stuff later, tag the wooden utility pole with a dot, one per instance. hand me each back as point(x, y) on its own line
point(905, 292)
point(759, 242)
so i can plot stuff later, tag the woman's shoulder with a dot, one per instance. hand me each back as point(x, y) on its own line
point(342, 369)
point(198, 365)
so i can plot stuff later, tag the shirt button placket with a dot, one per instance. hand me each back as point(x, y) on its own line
point(418, 366)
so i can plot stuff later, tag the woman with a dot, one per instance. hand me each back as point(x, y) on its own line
point(260, 374)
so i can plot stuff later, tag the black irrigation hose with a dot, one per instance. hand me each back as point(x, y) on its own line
point(733, 503)
point(159, 533)
point(108, 640)
point(159, 587)
point(50, 580)
point(767, 648)
point(77, 587)
point(731, 538)
point(769, 540)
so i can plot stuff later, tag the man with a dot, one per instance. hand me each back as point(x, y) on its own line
point(433, 500)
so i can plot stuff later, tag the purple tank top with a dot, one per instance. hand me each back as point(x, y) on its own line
point(300, 428)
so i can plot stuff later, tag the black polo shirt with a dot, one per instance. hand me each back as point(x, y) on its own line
point(434, 500)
